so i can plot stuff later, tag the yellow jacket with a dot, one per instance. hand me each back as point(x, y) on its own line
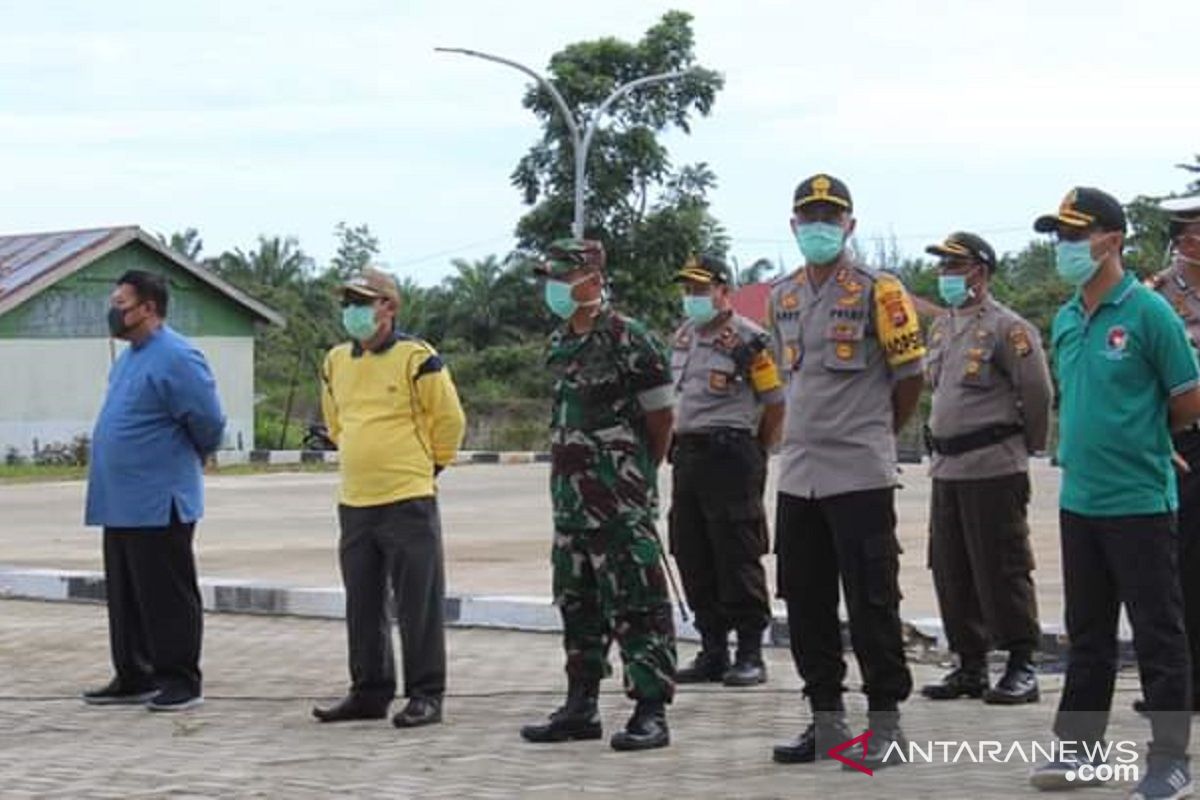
point(395, 416)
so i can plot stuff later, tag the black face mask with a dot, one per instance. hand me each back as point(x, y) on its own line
point(116, 322)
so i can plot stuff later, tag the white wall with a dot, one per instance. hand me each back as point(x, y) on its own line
point(52, 389)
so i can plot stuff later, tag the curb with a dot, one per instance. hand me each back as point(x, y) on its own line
point(227, 458)
point(508, 612)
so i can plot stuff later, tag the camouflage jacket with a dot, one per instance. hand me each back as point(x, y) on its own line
point(605, 381)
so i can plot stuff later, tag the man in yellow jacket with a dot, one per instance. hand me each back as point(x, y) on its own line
point(392, 409)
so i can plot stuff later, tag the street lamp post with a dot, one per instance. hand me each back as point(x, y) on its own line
point(581, 142)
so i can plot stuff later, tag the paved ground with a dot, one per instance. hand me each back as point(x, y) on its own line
point(254, 737)
point(282, 528)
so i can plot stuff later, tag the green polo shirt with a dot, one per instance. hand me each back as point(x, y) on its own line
point(1116, 371)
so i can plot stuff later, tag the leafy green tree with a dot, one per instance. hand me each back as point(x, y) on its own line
point(357, 247)
point(649, 215)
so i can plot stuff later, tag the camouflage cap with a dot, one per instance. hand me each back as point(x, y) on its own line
point(567, 255)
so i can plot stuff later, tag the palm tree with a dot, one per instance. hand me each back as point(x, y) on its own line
point(475, 312)
point(188, 243)
point(277, 263)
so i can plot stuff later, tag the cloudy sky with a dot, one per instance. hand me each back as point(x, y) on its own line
point(248, 117)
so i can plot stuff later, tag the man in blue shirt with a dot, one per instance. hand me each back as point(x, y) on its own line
point(1127, 377)
point(161, 418)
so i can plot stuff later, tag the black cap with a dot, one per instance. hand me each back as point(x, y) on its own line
point(703, 269)
point(961, 244)
point(1084, 207)
point(822, 188)
point(1181, 211)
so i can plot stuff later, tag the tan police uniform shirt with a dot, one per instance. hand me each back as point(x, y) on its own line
point(852, 337)
point(724, 374)
point(1172, 285)
point(986, 367)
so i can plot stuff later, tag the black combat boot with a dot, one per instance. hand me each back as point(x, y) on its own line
point(1019, 684)
point(646, 729)
point(578, 719)
point(969, 680)
point(885, 736)
point(827, 730)
point(748, 668)
point(710, 663)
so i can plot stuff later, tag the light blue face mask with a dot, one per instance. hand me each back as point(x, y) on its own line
point(359, 322)
point(953, 289)
point(557, 295)
point(1074, 263)
point(699, 308)
point(820, 242)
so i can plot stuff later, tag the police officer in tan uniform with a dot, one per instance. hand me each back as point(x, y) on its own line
point(853, 347)
point(991, 409)
point(1180, 284)
point(730, 412)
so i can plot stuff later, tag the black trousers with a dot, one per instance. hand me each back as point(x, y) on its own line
point(851, 536)
point(982, 565)
point(394, 551)
point(718, 533)
point(155, 614)
point(1188, 446)
point(1109, 561)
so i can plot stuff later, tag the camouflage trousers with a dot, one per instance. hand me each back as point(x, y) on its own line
point(608, 583)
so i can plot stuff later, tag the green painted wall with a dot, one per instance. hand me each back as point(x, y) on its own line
point(76, 307)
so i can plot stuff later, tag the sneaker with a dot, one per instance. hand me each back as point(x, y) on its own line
point(175, 700)
point(1063, 774)
point(115, 694)
point(1166, 779)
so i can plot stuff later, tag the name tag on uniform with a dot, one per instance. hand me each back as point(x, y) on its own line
point(718, 381)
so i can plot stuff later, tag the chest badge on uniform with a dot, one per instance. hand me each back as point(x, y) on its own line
point(718, 381)
point(844, 351)
point(1020, 341)
point(790, 301)
point(972, 369)
point(843, 332)
point(1115, 342)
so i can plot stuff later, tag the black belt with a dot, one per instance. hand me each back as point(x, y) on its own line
point(711, 436)
point(975, 440)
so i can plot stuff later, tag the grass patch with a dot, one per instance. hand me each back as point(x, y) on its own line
point(33, 473)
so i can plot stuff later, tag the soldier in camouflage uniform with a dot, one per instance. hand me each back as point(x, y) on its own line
point(611, 426)
point(1180, 285)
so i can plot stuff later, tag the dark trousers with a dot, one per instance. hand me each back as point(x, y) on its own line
point(982, 565)
point(155, 614)
point(1188, 446)
point(851, 536)
point(1133, 560)
point(394, 551)
point(718, 533)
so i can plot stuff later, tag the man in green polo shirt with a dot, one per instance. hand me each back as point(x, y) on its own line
point(1127, 377)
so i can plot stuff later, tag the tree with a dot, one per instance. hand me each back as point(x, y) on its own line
point(759, 272)
point(277, 263)
point(188, 243)
point(1194, 168)
point(357, 247)
point(649, 215)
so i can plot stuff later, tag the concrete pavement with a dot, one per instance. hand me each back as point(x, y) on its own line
point(254, 736)
point(281, 529)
